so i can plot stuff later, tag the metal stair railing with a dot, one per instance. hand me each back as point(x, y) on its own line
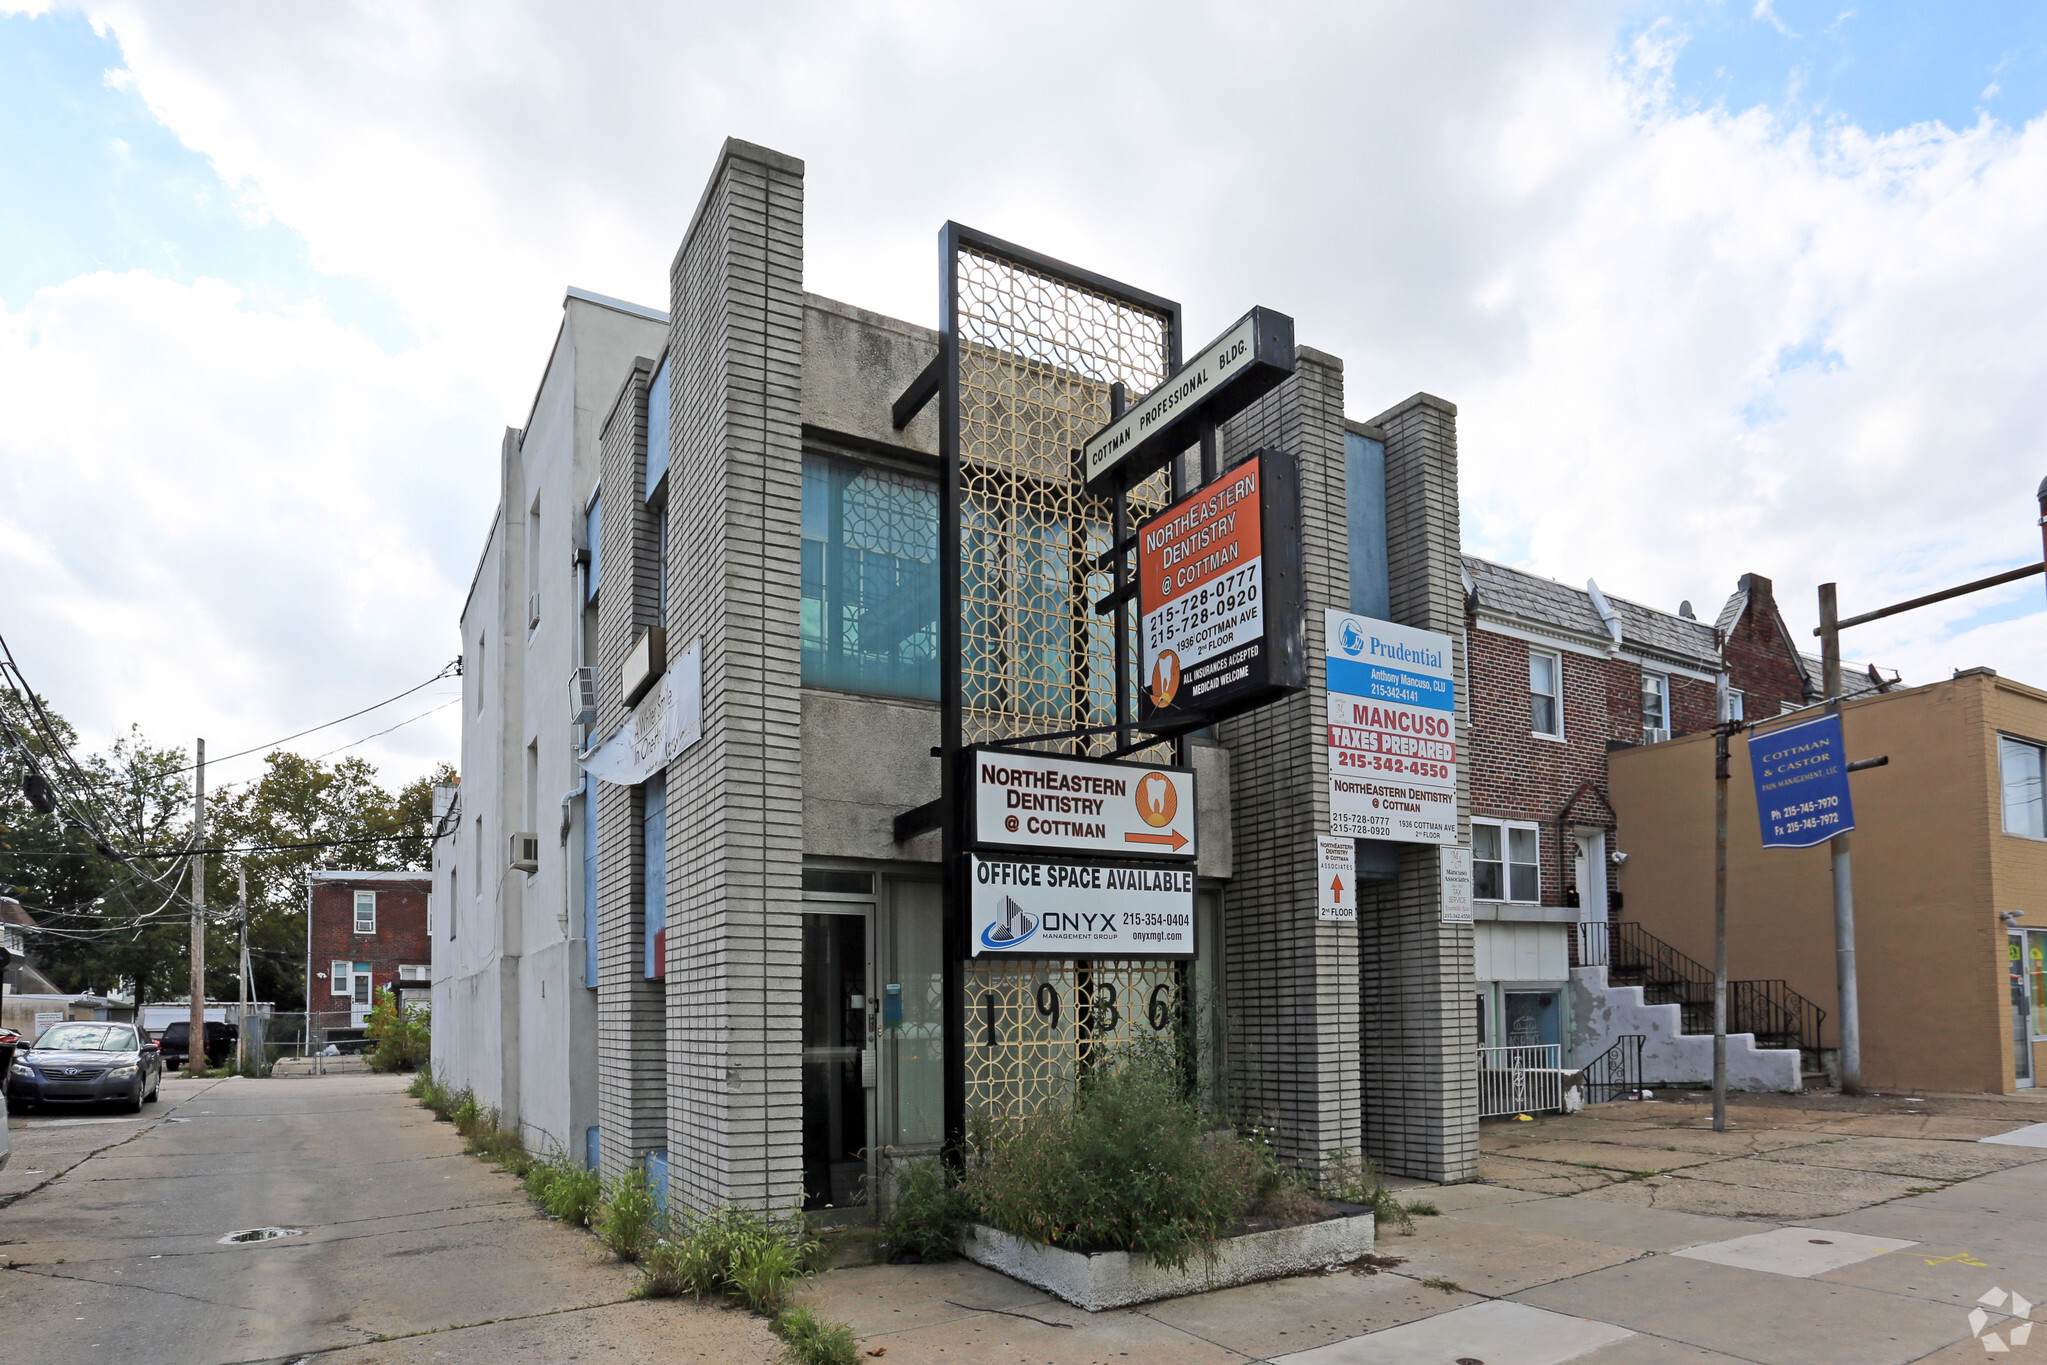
point(1616, 1074)
point(1777, 1015)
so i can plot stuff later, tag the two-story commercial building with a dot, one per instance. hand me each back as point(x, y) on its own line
point(677, 920)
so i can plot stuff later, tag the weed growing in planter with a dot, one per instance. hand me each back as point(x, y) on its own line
point(1351, 1177)
point(1131, 1165)
point(927, 1212)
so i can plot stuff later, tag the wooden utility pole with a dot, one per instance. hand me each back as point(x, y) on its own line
point(195, 1043)
point(242, 1013)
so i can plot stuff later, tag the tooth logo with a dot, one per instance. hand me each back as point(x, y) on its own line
point(1165, 678)
point(1158, 801)
point(2018, 1329)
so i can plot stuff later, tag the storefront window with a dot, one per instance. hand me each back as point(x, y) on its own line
point(870, 579)
point(2036, 968)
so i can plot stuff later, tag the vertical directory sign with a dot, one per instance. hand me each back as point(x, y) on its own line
point(1218, 596)
point(1392, 731)
point(1801, 774)
point(1336, 879)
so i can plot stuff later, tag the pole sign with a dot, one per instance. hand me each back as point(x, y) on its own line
point(1801, 774)
point(1219, 597)
point(1336, 879)
point(1228, 375)
point(1071, 805)
point(1034, 908)
point(1392, 731)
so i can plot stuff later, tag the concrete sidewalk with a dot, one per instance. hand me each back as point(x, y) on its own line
point(1820, 1231)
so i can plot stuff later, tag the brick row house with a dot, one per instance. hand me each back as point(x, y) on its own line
point(1562, 677)
point(365, 932)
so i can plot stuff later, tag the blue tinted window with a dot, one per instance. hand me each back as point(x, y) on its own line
point(657, 430)
point(595, 517)
point(870, 579)
point(589, 802)
point(654, 824)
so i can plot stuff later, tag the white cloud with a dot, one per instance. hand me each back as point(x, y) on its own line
point(1685, 342)
point(228, 522)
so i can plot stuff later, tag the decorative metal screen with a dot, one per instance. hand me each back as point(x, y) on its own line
point(1037, 354)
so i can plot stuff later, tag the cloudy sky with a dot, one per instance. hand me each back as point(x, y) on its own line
point(1717, 287)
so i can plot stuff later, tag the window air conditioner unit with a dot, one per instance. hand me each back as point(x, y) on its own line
point(644, 663)
point(526, 852)
point(582, 696)
point(1654, 736)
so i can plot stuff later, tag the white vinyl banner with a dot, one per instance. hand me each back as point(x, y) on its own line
point(1392, 731)
point(1078, 909)
point(668, 720)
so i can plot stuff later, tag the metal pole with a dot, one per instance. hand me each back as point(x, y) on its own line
point(1211, 457)
point(242, 1004)
point(1720, 735)
point(195, 1042)
point(1844, 879)
point(2043, 520)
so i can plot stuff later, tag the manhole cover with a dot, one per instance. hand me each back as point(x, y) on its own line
point(260, 1235)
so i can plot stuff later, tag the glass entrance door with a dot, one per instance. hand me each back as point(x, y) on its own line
point(2021, 1011)
point(837, 1066)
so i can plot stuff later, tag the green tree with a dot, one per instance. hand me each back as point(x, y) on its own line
point(113, 925)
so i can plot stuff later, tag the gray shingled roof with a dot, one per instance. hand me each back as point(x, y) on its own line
point(1512, 592)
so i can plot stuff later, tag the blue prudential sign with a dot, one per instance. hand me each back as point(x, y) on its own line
point(1802, 783)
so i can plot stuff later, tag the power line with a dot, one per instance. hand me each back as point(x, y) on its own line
point(451, 668)
point(387, 729)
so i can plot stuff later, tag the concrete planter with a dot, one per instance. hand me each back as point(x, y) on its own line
point(1116, 1279)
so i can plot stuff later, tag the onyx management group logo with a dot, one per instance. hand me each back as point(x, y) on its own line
point(1012, 926)
point(2017, 1332)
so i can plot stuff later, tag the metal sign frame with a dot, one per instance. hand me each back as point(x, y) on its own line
point(954, 238)
point(1273, 664)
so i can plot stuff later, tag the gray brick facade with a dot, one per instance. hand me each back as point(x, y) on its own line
point(735, 798)
point(1420, 1034)
point(1292, 978)
point(631, 1026)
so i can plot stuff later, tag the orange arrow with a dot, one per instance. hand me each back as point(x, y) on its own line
point(1172, 837)
point(1336, 885)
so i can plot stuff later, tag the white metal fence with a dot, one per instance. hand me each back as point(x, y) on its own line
point(1520, 1080)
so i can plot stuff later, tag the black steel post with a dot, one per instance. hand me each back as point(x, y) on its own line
point(953, 913)
point(1721, 732)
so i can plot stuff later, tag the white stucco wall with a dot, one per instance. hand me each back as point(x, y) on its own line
point(1601, 1014)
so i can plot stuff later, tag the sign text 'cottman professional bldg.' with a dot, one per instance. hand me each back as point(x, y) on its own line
point(943, 716)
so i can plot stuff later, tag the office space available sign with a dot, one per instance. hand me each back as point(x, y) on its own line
point(1218, 596)
point(1392, 730)
point(1801, 774)
point(669, 718)
point(1073, 805)
point(1029, 908)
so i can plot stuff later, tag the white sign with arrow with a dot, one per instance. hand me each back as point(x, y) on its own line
point(1336, 876)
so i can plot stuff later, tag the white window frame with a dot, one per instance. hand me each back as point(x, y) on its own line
point(2004, 811)
point(1653, 734)
point(1735, 704)
point(1556, 677)
point(359, 903)
point(1506, 860)
point(338, 978)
